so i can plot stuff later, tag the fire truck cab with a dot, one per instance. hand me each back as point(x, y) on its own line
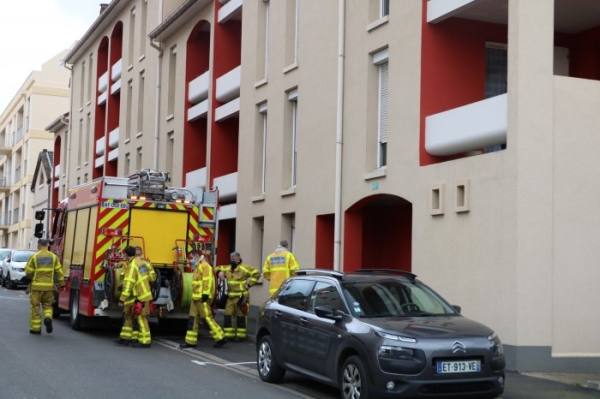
point(92, 227)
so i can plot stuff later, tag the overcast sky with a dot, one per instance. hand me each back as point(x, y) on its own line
point(33, 31)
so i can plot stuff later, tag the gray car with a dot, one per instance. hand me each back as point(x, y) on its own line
point(376, 333)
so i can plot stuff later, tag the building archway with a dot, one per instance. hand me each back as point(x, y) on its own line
point(378, 234)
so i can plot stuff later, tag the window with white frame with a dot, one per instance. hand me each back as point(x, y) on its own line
point(263, 112)
point(172, 79)
point(293, 99)
point(380, 59)
point(384, 8)
point(140, 102)
point(262, 53)
point(131, 41)
point(292, 31)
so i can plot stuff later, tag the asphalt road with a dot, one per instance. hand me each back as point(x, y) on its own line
point(71, 365)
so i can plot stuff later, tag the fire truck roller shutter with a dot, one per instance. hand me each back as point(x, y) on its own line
point(160, 229)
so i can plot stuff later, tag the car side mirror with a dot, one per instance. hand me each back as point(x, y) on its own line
point(8, 259)
point(457, 308)
point(327, 312)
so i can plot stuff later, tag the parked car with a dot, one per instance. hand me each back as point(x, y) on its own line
point(376, 333)
point(4, 252)
point(13, 268)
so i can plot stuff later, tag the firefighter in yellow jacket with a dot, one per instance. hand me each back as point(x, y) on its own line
point(279, 266)
point(130, 331)
point(203, 291)
point(137, 293)
point(240, 277)
point(45, 271)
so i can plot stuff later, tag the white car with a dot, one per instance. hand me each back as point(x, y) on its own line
point(4, 252)
point(13, 268)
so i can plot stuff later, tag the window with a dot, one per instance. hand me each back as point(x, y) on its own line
point(89, 79)
point(140, 102)
point(326, 294)
point(384, 8)
point(496, 73)
point(82, 84)
point(380, 59)
point(138, 159)
point(172, 78)
point(128, 164)
point(260, 150)
point(292, 31)
point(129, 111)
point(295, 293)
point(80, 144)
point(262, 50)
point(87, 136)
point(143, 23)
point(257, 237)
point(170, 151)
point(290, 139)
point(131, 38)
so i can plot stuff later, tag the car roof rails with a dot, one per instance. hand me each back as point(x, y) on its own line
point(411, 276)
point(324, 272)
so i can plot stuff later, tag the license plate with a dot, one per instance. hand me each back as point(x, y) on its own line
point(465, 366)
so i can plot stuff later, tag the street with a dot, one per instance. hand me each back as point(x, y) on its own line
point(71, 365)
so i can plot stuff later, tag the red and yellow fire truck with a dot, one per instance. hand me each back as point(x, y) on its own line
point(92, 227)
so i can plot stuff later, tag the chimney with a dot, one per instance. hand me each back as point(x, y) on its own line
point(103, 7)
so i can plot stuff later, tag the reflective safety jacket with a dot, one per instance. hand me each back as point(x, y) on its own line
point(203, 281)
point(238, 277)
point(43, 268)
point(278, 266)
point(136, 283)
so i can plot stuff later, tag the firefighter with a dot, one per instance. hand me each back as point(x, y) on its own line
point(44, 269)
point(203, 289)
point(278, 266)
point(240, 277)
point(136, 293)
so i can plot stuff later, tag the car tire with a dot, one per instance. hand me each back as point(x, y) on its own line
point(8, 282)
point(74, 315)
point(268, 368)
point(353, 379)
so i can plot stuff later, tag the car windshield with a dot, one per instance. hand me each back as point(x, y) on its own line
point(394, 298)
point(21, 256)
point(4, 254)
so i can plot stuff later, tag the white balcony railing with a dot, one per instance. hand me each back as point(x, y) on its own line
point(228, 186)
point(103, 82)
point(198, 111)
point(196, 179)
point(57, 171)
point(467, 128)
point(439, 10)
point(113, 138)
point(116, 70)
point(198, 88)
point(232, 9)
point(228, 85)
point(100, 146)
point(226, 111)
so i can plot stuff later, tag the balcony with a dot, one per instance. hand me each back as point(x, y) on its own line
point(228, 212)
point(231, 10)
point(103, 82)
point(227, 186)
point(100, 146)
point(228, 85)
point(114, 154)
point(198, 111)
point(4, 148)
point(196, 179)
point(4, 185)
point(57, 171)
point(198, 88)
point(116, 71)
point(231, 109)
point(113, 138)
point(99, 162)
point(467, 128)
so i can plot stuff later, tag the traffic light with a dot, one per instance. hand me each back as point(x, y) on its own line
point(39, 230)
point(39, 215)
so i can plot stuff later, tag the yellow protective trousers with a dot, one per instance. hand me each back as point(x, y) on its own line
point(129, 331)
point(235, 321)
point(45, 298)
point(201, 311)
point(142, 323)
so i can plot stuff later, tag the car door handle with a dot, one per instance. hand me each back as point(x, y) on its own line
point(303, 321)
point(277, 313)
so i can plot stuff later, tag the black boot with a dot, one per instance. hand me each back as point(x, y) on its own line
point(48, 324)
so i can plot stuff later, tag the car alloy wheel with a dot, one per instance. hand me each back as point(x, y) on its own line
point(267, 366)
point(353, 379)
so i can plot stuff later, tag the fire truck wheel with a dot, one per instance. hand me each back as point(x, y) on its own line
point(74, 310)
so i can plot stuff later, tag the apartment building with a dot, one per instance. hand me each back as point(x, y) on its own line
point(43, 95)
point(451, 138)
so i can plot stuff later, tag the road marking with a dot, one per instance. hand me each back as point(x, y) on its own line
point(220, 364)
point(13, 298)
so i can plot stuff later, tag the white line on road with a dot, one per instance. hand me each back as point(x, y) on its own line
point(220, 364)
point(13, 298)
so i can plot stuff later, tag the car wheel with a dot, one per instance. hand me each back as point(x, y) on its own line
point(74, 310)
point(8, 282)
point(354, 384)
point(268, 369)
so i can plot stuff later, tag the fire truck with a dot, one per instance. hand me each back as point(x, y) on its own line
point(98, 220)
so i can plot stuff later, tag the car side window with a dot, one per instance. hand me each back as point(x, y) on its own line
point(295, 293)
point(326, 294)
